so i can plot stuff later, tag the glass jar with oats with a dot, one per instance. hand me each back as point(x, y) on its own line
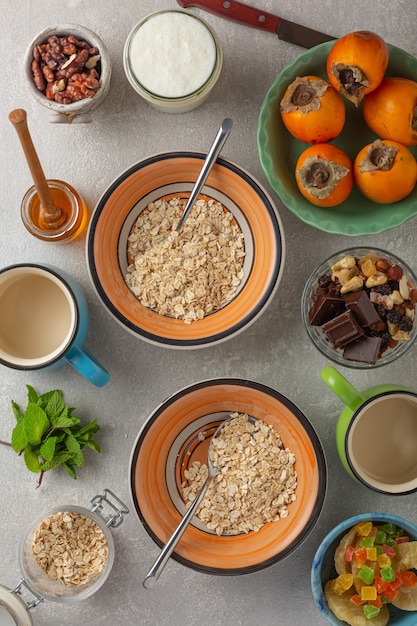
point(66, 556)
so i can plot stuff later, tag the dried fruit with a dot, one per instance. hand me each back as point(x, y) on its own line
point(324, 175)
point(312, 111)
point(357, 63)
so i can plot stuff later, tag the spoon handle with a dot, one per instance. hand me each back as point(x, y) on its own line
point(19, 121)
point(210, 160)
point(151, 578)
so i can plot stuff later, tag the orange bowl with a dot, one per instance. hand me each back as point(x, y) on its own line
point(173, 174)
point(169, 443)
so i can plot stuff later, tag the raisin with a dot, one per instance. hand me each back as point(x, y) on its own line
point(381, 310)
point(324, 281)
point(393, 316)
point(405, 324)
point(384, 290)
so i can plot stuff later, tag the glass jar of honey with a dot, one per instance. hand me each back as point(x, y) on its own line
point(73, 208)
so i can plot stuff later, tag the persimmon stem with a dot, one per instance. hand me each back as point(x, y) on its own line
point(5, 443)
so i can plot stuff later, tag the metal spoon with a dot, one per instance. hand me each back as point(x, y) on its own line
point(151, 578)
point(210, 160)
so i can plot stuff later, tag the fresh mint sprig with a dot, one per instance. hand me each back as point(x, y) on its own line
point(48, 435)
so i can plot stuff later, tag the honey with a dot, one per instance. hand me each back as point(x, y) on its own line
point(73, 207)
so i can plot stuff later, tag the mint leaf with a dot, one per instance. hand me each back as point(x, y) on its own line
point(32, 395)
point(47, 449)
point(55, 405)
point(74, 447)
point(59, 458)
point(16, 411)
point(36, 423)
point(89, 429)
point(64, 420)
point(93, 445)
point(31, 460)
point(19, 437)
point(67, 467)
point(49, 435)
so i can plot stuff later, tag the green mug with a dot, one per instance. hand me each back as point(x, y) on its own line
point(376, 434)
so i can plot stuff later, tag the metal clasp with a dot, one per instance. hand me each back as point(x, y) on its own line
point(18, 590)
point(119, 509)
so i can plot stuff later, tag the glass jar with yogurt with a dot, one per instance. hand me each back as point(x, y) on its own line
point(173, 60)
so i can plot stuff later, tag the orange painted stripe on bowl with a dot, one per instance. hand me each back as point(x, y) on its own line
point(200, 549)
point(113, 212)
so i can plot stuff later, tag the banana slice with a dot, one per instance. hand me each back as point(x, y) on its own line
point(346, 611)
point(342, 566)
point(406, 599)
point(406, 555)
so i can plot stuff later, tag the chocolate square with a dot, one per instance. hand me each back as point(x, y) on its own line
point(362, 307)
point(365, 349)
point(342, 329)
point(325, 308)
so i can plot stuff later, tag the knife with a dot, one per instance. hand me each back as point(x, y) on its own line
point(250, 16)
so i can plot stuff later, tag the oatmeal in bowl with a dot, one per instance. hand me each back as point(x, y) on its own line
point(198, 287)
point(272, 483)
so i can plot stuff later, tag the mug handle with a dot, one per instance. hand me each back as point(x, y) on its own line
point(87, 365)
point(342, 387)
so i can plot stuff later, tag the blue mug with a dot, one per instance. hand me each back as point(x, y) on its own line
point(44, 321)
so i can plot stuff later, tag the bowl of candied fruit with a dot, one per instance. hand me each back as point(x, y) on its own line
point(358, 307)
point(68, 71)
point(364, 572)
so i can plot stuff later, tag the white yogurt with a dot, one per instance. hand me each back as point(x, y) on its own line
point(172, 54)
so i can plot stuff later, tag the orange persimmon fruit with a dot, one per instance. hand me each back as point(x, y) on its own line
point(312, 110)
point(385, 171)
point(324, 175)
point(357, 63)
point(391, 110)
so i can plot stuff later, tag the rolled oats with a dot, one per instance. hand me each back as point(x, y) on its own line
point(190, 274)
point(257, 478)
point(71, 548)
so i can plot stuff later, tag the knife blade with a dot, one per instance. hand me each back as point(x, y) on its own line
point(251, 16)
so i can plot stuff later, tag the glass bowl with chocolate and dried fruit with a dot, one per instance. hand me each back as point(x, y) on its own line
point(358, 307)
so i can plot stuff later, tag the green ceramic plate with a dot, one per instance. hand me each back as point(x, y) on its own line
point(279, 151)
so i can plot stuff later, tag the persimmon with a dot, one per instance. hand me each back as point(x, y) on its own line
point(391, 110)
point(324, 175)
point(312, 110)
point(357, 63)
point(385, 171)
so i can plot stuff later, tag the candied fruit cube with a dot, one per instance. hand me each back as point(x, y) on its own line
point(388, 574)
point(342, 583)
point(368, 592)
point(408, 578)
point(366, 574)
point(367, 542)
point(380, 584)
point(360, 555)
point(349, 554)
point(384, 560)
point(356, 599)
point(380, 537)
point(371, 554)
point(370, 611)
point(389, 550)
point(363, 528)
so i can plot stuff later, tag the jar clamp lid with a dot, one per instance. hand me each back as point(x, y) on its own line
point(107, 511)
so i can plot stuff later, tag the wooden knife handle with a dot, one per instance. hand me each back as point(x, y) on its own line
point(236, 11)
